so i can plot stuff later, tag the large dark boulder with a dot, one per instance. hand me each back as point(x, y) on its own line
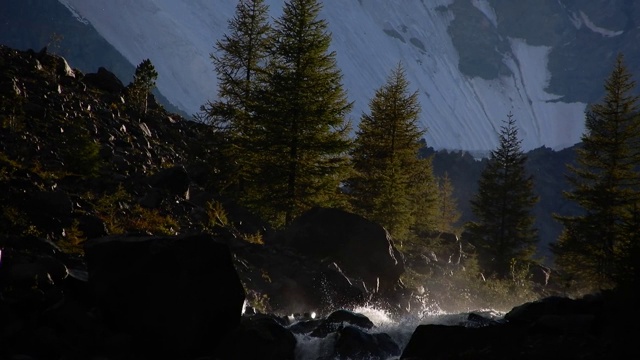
point(593, 327)
point(354, 343)
point(42, 308)
point(105, 80)
point(361, 248)
point(338, 319)
point(175, 296)
point(289, 283)
point(175, 180)
point(259, 337)
point(461, 342)
point(48, 210)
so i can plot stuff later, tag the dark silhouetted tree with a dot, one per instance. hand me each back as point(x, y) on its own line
point(595, 247)
point(504, 231)
point(144, 81)
point(239, 59)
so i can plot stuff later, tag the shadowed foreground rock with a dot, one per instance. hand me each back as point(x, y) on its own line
point(594, 327)
point(176, 297)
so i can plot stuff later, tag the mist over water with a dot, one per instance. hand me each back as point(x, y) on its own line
point(399, 328)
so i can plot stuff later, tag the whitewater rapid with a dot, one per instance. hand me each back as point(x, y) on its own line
point(400, 330)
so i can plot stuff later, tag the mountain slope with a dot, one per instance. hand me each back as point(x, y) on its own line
point(471, 62)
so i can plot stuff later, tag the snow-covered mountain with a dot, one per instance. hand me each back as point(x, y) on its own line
point(471, 61)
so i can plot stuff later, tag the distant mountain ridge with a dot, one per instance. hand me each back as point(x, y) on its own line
point(471, 62)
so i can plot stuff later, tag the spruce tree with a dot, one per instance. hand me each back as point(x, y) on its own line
point(504, 230)
point(594, 247)
point(239, 59)
point(392, 186)
point(303, 135)
point(144, 81)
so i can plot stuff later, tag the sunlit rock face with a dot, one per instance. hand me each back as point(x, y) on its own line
point(470, 62)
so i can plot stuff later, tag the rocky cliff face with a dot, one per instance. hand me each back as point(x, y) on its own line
point(471, 62)
point(580, 36)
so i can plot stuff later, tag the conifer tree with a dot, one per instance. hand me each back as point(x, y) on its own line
point(423, 188)
point(392, 185)
point(303, 136)
point(594, 247)
point(239, 60)
point(448, 213)
point(504, 230)
point(144, 81)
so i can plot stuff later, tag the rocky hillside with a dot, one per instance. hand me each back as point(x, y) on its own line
point(85, 178)
point(33, 24)
point(69, 137)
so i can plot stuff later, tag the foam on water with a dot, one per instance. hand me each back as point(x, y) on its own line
point(399, 329)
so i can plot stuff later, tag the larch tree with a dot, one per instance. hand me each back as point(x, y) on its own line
point(391, 184)
point(303, 134)
point(239, 60)
point(503, 230)
point(596, 248)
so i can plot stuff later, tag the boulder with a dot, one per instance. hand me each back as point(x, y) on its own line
point(338, 319)
point(176, 296)
point(354, 343)
point(529, 313)
point(259, 337)
point(49, 210)
point(105, 80)
point(175, 180)
point(92, 226)
point(34, 289)
point(361, 248)
point(593, 327)
point(460, 342)
point(291, 283)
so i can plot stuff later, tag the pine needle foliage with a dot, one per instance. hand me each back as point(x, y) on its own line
point(503, 231)
point(596, 248)
point(392, 185)
point(239, 59)
point(302, 136)
point(144, 81)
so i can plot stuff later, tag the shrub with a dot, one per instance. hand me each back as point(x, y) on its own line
point(121, 215)
point(72, 239)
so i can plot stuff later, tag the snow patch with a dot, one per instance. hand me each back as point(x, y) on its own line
point(583, 19)
point(525, 96)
